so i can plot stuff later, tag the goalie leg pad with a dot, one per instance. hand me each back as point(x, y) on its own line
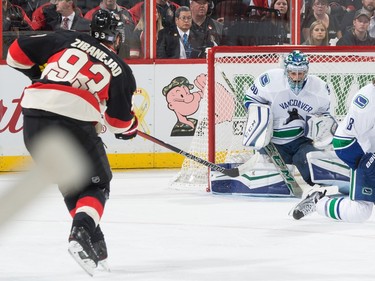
point(327, 169)
point(259, 126)
point(264, 181)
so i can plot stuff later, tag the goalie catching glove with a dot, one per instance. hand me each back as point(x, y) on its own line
point(320, 128)
point(131, 132)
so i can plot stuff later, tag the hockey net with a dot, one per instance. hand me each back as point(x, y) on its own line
point(232, 70)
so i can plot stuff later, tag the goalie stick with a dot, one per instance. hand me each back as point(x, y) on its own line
point(233, 172)
point(275, 156)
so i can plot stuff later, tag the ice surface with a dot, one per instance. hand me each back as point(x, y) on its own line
point(157, 233)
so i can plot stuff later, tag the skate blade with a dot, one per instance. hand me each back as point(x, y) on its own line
point(88, 265)
point(104, 265)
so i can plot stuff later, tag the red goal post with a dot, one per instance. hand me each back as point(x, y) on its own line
point(231, 71)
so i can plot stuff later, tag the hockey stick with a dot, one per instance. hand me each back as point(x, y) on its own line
point(233, 172)
point(282, 168)
point(275, 156)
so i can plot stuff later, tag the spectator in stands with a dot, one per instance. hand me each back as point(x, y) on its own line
point(358, 35)
point(14, 18)
point(45, 17)
point(180, 41)
point(347, 21)
point(228, 11)
point(261, 3)
point(338, 8)
point(167, 10)
point(126, 17)
point(318, 35)
point(319, 11)
point(283, 7)
point(69, 19)
point(87, 5)
point(139, 34)
point(211, 30)
point(29, 6)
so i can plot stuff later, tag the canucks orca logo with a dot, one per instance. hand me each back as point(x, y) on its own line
point(293, 115)
point(264, 80)
point(361, 101)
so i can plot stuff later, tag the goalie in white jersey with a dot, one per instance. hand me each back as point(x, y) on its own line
point(354, 143)
point(292, 95)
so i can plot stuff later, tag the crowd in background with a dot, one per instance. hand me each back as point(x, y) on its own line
point(185, 28)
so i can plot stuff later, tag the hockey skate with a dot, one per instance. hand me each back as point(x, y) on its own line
point(307, 205)
point(82, 250)
point(100, 248)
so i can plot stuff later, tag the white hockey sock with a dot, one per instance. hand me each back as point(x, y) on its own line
point(342, 208)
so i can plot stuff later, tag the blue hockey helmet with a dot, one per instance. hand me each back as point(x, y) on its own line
point(296, 68)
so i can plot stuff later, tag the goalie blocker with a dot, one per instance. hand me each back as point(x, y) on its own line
point(259, 126)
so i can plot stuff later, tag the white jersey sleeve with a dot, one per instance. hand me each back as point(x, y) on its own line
point(360, 120)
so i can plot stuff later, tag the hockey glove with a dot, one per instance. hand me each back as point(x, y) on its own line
point(131, 132)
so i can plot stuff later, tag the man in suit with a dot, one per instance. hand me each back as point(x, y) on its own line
point(69, 19)
point(180, 42)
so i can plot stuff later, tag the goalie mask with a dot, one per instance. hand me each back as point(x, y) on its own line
point(106, 26)
point(296, 68)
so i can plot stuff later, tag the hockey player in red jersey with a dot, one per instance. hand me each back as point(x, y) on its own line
point(83, 82)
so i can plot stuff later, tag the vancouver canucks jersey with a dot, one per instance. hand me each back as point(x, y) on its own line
point(288, 110)
point(355, 135)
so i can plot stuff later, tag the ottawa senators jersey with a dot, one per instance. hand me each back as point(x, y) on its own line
point(75, 76)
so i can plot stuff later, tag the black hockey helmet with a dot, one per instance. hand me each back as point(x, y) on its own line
point(105, 26)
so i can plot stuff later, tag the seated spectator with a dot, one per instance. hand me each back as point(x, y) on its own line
point(137, 50)
point(211, 30)
point(47, 18)
point(227, 11)
point(319, 11)
point(14, 21)
point(338, 8)
point(69, 19)
point(126, 18)
point(167, 10)
point(347, 21)
point(179, 41)
point(318, 35)
point(257, 28)
point(358, 35)
point(14, 18)
point(87, 5)
point(283, 7)
point(29, 6)
point(260, 3)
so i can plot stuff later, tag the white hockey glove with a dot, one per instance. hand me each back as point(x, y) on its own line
point(259, 126)
point(320, 128)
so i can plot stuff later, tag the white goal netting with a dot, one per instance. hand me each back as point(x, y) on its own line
point(232, 70)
